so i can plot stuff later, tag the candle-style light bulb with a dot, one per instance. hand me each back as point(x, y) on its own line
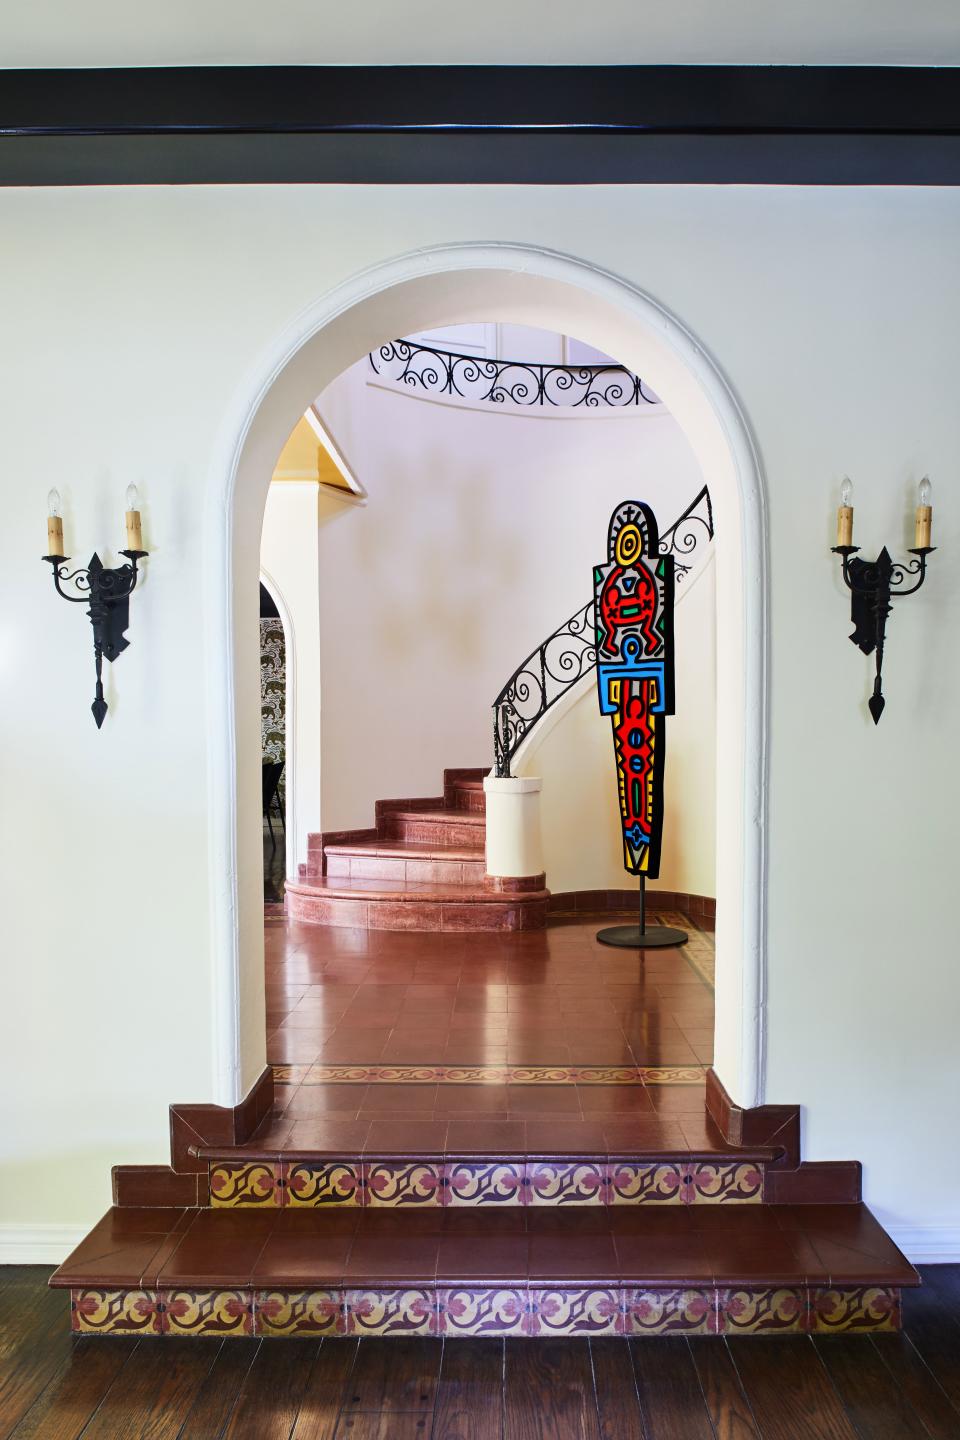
point(134, 533)
point(845, 514)
point(924, 519)
point(54, 524)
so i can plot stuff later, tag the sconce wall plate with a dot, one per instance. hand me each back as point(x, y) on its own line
point(873, 586)
point(106, 593)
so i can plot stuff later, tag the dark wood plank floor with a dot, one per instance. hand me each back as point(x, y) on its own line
point(892, 1387)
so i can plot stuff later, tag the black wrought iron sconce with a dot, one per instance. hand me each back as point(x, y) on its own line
point(106, 592)
point(875, 585)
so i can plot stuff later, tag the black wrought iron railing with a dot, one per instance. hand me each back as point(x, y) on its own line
point(471, 377)
point(570, 652)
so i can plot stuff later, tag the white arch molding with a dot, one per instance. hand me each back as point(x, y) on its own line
point(424, 290)
point(291, 733)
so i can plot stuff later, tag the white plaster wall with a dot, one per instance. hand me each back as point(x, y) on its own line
point(289, 562)
point(836, 316)
point(477, 541)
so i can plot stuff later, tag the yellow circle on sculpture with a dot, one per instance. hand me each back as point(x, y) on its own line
point(629, 544)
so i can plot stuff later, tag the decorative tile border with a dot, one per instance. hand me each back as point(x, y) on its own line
point(245, 1183)
point(493, 1310)
point(395, 1184)
point(489, 1074)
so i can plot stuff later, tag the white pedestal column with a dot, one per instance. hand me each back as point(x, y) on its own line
point(514, 842)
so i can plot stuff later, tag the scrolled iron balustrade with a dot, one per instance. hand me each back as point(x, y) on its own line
point(472, 377)
point(571, 651)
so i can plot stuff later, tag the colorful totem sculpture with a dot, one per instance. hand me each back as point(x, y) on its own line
point(633, 594)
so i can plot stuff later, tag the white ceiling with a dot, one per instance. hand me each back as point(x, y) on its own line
point(384, 32)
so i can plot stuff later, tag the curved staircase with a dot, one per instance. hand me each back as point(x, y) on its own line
point(422, 867)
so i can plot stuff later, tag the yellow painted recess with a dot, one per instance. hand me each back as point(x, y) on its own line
point(304, 458)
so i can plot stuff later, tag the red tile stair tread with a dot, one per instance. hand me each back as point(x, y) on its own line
point(406, 849)
point(239, 1248)
point(451, 816)
point(342, 887)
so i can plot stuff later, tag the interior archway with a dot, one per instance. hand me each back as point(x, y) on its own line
point(531, 287)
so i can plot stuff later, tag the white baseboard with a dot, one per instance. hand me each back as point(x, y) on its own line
point(38, 1244)
point(927, 1244)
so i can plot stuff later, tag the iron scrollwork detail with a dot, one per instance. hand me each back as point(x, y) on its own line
point(106, 593)
point(473, 377)
point(571, 651)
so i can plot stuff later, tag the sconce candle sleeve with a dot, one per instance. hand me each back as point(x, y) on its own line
point(845, 525)
point(54, 535)
point(923, 528)
point(134, 534)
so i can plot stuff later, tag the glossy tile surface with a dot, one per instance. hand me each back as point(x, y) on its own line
point(555, 997)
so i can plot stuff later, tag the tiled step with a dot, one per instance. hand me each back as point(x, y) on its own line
point(379, 904)
point(463, 790)
point(432, 827)
point(397, 861)
point(721, 1269)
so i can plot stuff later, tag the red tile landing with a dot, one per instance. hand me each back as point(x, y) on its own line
point(554, 997)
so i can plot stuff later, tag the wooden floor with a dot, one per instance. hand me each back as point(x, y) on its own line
point(894, 1387)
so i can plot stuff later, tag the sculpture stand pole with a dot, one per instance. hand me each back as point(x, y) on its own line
point(638, 937)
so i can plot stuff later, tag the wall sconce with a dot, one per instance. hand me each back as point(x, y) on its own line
point(873, 586)
point(106, 592)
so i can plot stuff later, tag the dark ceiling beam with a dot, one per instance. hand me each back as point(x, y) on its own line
point(481, 124)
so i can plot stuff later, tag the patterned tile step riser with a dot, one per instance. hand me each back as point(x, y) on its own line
point(489, 1074)
point(503, 1310)
point(289, 1183)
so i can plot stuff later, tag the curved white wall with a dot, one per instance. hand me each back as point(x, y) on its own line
point(478, 539)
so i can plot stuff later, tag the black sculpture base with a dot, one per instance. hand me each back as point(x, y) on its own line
point(631, 937)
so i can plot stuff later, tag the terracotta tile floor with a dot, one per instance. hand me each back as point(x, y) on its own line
point(551, 997)
point(548, 998)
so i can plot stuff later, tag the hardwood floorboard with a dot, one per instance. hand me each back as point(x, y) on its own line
point(469, 1403)
point(35, 1339)
point(618, 1404)
point(867, 1389)
point(393, 1375)
point(727, 1405)
point(548, 1391)
point(326, 1388)
point(398, 1425)
point(915, 1380)
point(790, 1393)
point(670, 1396)
point(218, 1394)
point(269, 1400)
point(77, 1388)
point(154, 1390)
point(933, 1325)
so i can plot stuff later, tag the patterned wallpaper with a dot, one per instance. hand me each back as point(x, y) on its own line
point(273, 689)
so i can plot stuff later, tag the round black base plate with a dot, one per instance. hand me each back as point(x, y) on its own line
point(630, 937)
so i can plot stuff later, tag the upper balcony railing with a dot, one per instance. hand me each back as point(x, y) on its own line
point(571, 651)
point(424, 369)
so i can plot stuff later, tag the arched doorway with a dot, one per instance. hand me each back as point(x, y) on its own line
point(529, 287)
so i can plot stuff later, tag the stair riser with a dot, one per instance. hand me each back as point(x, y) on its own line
point(401, 870)
point(446, 832)
point(506, 1308)
point(464, 917)
point(251, 1183)
point(464, 798)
